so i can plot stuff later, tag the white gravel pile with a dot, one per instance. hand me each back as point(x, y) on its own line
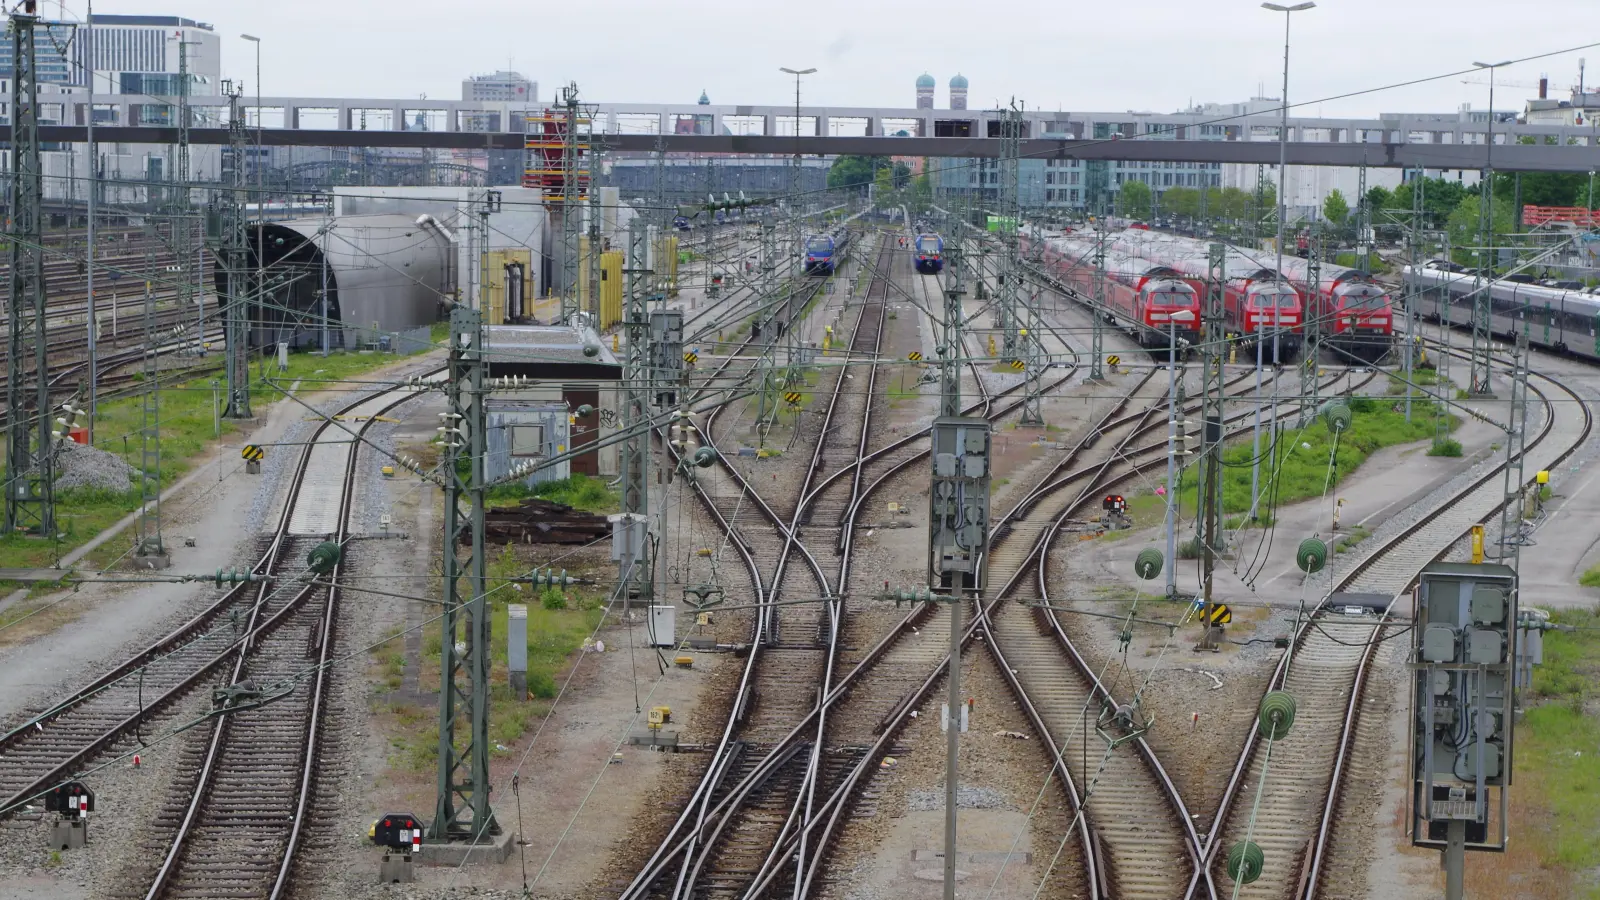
point(966, 798)
point(81, 466)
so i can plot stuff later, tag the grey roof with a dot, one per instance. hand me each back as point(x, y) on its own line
point(161, 21)
point(540, 344)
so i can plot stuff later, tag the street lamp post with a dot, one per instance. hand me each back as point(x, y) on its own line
point(261, 207)
point(1283, 216)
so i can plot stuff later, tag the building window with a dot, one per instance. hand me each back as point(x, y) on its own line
point(1074, 197)
point(1049, 178)
point(527, 440)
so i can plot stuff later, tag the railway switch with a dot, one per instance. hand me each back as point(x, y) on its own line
point(73, 802)
point(1463, 658)
point(400, 834)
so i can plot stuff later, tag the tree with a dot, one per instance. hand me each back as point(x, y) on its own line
point(922, 192)
point(902, 176)
point(1378, 199)
point(1135, 198)
point(1440, 197)
point(855, 172)
point(1183, 202)
point(1335, 208)
point(1464, 223)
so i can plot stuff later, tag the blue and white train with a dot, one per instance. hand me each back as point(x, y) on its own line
point(823, 251)
point(929, 254)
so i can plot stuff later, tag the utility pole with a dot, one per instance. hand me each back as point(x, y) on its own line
point(561, 165)
point(951, 354)
point(1177, 445)
point(462, 810)
point(94, 188)
point(633, 547)
point(1516, 442)
point(1483, 283)
point(150, 550)
point(1097, 334)
point(766, 407)
point(1313, 325)
point(1212, 356)
point(1006, 272)
point(1414, 251)
point(185, 243)
point(595, 260)
point(30, 461)
point(234, 243)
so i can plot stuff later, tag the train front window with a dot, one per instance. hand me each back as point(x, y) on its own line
point(819, 245)
point(1369, 303)
point(1171, 298)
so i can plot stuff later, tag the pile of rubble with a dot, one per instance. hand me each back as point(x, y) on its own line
point(81, 466)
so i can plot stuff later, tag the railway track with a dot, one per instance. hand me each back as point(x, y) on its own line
point(1331, 663)
point(249, 789)
point(829, 749)
point(758, 773)
point(1136, 830)
point(252, 787)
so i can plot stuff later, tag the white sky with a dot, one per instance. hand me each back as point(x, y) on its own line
point(1155, 55)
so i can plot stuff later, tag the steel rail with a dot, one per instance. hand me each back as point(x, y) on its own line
point(255, 633)
point(1317, 847)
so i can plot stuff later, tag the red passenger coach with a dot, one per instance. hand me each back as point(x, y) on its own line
point(1151, 301)
point(1353, 311)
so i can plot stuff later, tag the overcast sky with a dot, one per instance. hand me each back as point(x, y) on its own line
point(1155, 55)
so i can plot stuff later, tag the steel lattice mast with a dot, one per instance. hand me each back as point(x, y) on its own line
point(462, 809)
point(30, 492)
point(234, 242)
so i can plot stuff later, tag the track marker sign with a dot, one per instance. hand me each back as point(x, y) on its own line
point(1113, 360)
point(1220, 614)
point(252, 453)
point(914, 356)
point(1018, 364)
point(792, 397)
point(691, 357)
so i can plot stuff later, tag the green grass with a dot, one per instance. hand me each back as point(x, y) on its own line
point(554, 634)
point(1350, 540)
point(1301, 459)
point(1556, 746)
point(579, 492)
point(1591, 578)
point(187, 429)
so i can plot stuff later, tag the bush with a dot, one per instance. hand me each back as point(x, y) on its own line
point(552, 598)
point(1190, 549)
point(1446, 447)
point(541, 685)
point(1362, 404)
